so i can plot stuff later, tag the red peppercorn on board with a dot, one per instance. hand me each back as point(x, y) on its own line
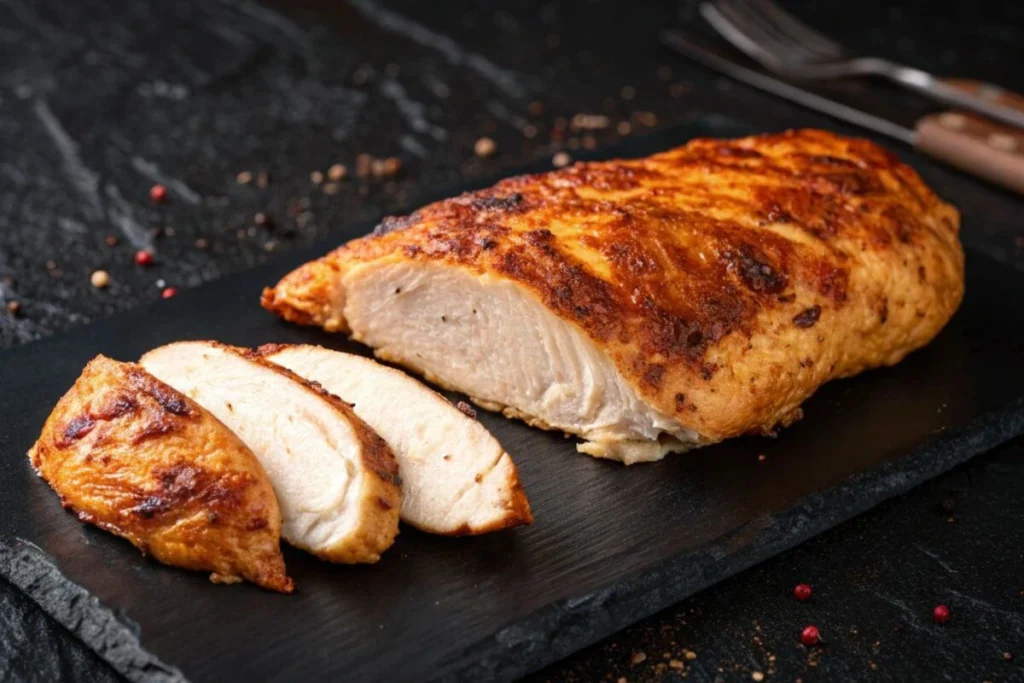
point(610, 544)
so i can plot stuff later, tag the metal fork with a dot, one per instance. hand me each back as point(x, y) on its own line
point(790, 48)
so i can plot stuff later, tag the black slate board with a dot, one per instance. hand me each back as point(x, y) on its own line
point(610, 544)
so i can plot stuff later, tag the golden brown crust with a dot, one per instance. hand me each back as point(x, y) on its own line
point(130, 454)
point(381, 500)
point(726, 279)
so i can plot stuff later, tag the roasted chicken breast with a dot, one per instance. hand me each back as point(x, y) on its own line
point(456, 478)
point(133, 456)
point(335, 478)
point(655, 304)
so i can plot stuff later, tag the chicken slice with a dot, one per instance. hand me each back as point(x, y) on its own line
point(336, 480)
point(133, 456)
point(456, 478)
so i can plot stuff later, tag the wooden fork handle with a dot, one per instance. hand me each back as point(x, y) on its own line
point(990, 150)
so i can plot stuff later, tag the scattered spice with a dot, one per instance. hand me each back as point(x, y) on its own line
point(691, 655)
point(387, 168)
point(168, 292)
point(485, 147)
point(14, 307)
point(676, 664)
point(802, 592)
point(364, 165)
point(202, 243)
point(941, 614)
point(337, 172)
point(316, 177)
point(111, 241)
point(535, 108)
point(810, 636)
point(529, 131)
point(949, 503)
point(762, 457)
point(169, 231)
point(262, 179)
point(1008, 656)
point(589, 142)
point(561, 160)
point(757, 676)
point(244, 177)
point(261, 219)
point(161, 283)
point(331, 188)
point(100, 279)
point(590, 122)
point(638, 658)
point(143, 258)
point(624, 128)
point(158, 193)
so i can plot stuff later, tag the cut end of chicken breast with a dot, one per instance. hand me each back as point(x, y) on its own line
point(309, 295)
point(335, 478)
point(131, 455)
point(484, 336)
point(456, 477)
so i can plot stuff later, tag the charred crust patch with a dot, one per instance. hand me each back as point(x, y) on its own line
point(168, 399)
point(76, 428)
point(653, 374)
point(756, 273)
point(680, 402)
point(182, 487)
point(116, 406)
point(807, 317)
point(508, 202)
point(384, 504)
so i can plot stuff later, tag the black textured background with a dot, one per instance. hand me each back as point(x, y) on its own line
point(99, 99)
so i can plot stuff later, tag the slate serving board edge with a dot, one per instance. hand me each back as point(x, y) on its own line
point(34, 573)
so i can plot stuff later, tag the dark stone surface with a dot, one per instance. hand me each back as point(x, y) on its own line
point(100, 99)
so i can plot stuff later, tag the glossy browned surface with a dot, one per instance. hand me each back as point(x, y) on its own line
point(130, 454)
point(727, 279)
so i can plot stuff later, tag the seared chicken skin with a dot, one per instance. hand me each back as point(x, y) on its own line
point(335, 478)
point(456, 478)
point(656, 304)
point(131, 455)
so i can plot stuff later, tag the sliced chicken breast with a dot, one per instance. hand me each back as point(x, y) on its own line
point(133, 456)
point(651, 305)
point(456, 478)
point(335, 478)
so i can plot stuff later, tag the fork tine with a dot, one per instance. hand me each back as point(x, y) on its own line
point(799, 31)
point(749, 14)
point(749, 36)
